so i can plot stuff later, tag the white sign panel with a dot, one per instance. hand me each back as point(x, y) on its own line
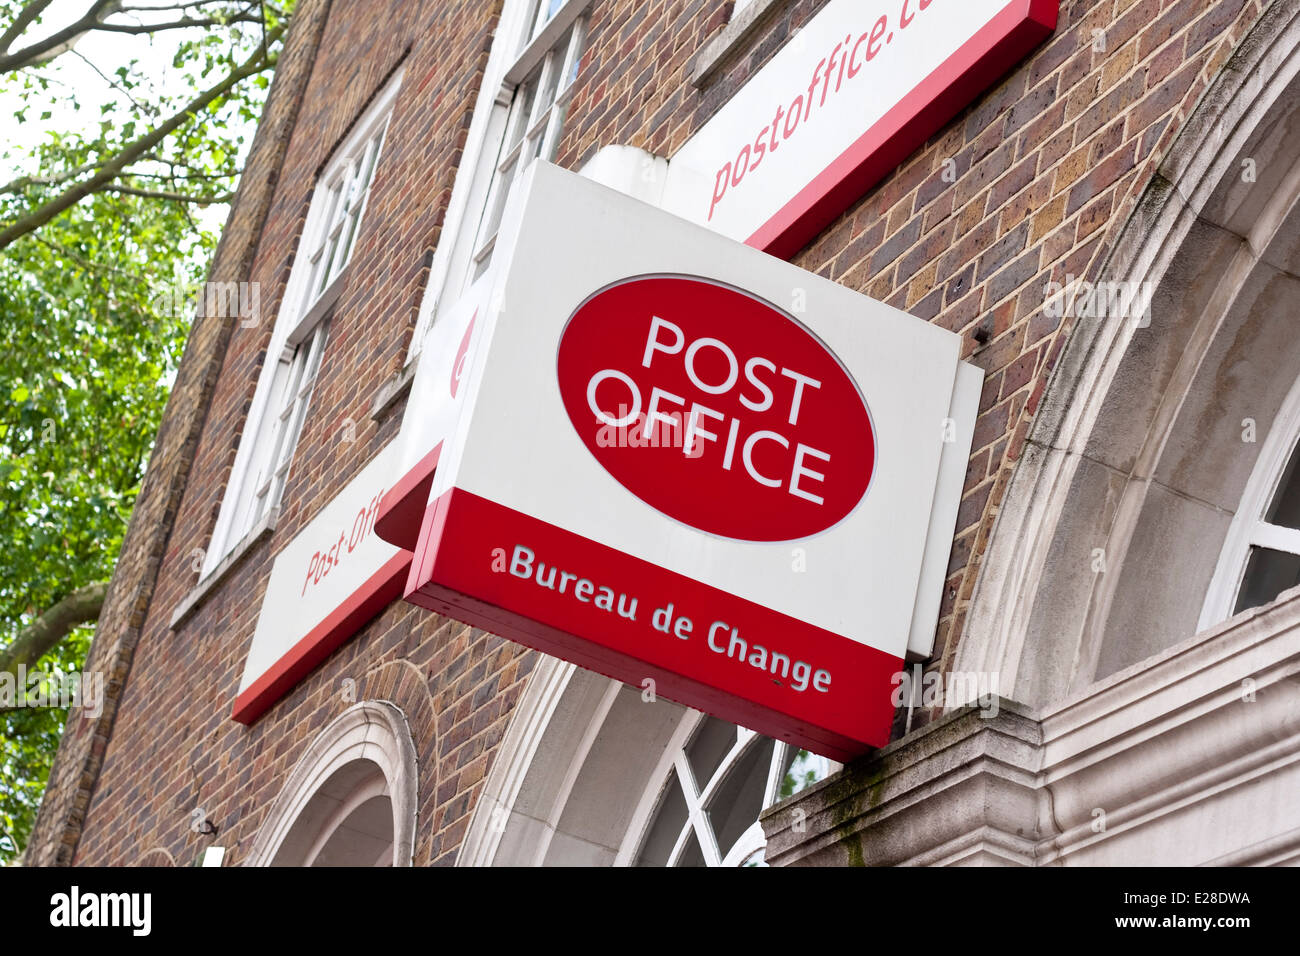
point(703, 426)
point(857, 89)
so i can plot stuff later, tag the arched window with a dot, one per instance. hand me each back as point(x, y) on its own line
point(350, 800)
point(1127, 527)
point(347, 822)
point(714, 781)
point(593, 772)
point(1261, 554)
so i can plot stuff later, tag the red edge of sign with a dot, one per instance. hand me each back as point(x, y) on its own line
point(402, 510)
point(405, 521)
point(380, 590)
point(1002, 43)
point(460, 571)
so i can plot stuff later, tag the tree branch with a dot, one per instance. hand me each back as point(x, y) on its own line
point(60, 41)
point(32, 643)
point(256, 63)
point(159, 8)
point(22, 182)
point(174, 24)
point(170, 196)
point(150, 109)
point(26, 17)
point(96, 18)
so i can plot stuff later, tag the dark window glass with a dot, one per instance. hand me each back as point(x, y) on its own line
point(1268, 574)
point(739, 799)
point(669, 820)
point(713, 741)
point(1285, 511)
point(692, 855)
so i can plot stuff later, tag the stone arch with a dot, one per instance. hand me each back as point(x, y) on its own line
point(570, 772)
point(1111, 527)
point(360, 767)
point(158, 856)
point(592, 772)
point(401, 683)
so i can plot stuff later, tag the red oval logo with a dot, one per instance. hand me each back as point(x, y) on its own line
point(716, 408)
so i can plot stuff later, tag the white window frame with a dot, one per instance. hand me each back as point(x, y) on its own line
point(284, 387)
point(675, 770)
point(1249, 529)
point(525, 39)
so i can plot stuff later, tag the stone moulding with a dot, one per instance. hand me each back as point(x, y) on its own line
point(1160, 763)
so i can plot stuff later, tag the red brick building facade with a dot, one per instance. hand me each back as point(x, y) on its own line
point(1045, 176)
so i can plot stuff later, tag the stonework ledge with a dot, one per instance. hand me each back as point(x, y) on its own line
point(1179, 761)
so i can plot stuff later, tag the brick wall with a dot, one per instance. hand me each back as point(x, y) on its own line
point(1044, 169)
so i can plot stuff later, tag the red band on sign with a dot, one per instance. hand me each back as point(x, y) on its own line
point(539, 585)
point(402, 509)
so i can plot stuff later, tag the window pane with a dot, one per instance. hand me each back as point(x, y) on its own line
point(523, 110)
point(551, 79)
point(372, 154)
point(692, 855)
point(329, 241)
point(493, 221)
point(573, 69)
point(307, 362)
point(1286, 506)
point(316, 264)
point(569, 53)
point(331, 211)
point(1268, 574)
point(739, 800)
point(669, 819)
point(361, 189)
point(248, 507)
point(330, 270)
point(802, 770)
point(530, 22)
point(712, 742)
point(545, 10)
point(553, 130)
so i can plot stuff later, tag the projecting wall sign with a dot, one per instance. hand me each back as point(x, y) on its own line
point(698, 465)
point(848, 98)
point(680, 460)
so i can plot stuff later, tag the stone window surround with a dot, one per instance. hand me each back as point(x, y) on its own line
point(1016, 589)
point(374, 731)
point(737, 35)
point(1161, 761)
